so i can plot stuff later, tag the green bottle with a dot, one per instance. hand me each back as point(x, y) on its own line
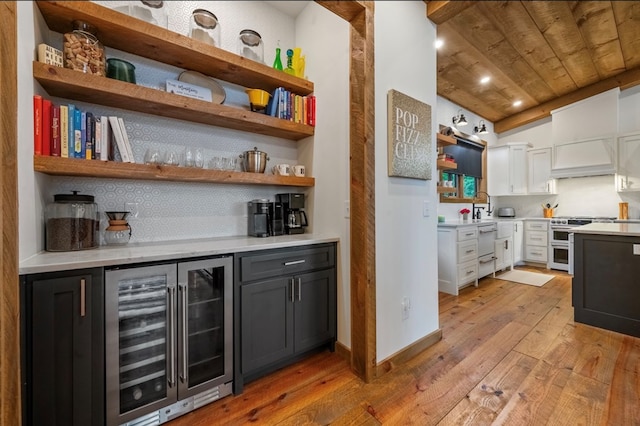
point(277, 63)
point(289, 69)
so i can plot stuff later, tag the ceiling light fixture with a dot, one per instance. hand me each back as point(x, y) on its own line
point(459, 119)
point(438, 43)
point(481, 128)
point(485, 80)
point(517, 103)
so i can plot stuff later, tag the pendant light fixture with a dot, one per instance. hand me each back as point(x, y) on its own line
point(481, 128)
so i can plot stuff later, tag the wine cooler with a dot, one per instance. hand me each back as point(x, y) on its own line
point(168, 339)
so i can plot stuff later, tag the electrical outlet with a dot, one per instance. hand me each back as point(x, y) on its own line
point(132, 208)
point(406, 307)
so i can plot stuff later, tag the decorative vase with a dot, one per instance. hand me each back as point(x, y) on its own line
point(465, 216)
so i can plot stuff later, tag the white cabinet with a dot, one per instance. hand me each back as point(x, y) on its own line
point(504, 246)
point(628, 177)
point(518, 241)
point(536, 241)
point(540, 181)
point(457, 258)
point(507, 169)
point(504, 253)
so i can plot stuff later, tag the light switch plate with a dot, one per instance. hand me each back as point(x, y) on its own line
point(426, 208)
point(636, 249)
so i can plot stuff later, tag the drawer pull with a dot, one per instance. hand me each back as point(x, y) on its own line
point(83, 297)
point(468, 234)
point(469, 251)
point(294, 262)
point(470, 272)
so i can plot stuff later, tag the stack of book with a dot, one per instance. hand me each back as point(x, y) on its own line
point(446, 157)
point(68, 131)
point(289, 106)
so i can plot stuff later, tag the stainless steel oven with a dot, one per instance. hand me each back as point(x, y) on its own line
point(560, 235)
point(169, 339)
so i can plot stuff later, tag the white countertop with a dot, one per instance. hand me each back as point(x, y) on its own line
point(624, 229)
point(166, 250)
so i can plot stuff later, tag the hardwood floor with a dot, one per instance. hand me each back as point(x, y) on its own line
point(510, 354)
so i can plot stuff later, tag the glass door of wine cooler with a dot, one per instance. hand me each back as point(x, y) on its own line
point(140, 316)
point(205, 301)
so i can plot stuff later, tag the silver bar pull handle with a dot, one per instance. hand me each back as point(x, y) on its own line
point(299, 289)
point(291, 295)
point(294, 262)
point(171, 293)
point(83, 297)
point(183, 374)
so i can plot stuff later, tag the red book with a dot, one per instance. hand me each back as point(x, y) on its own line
point(37, 124)
point(46, 127)
point(55, 130)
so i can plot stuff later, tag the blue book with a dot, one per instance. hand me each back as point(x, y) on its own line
point(71, 125)
point(77, 133)
point(272, 106)
point(83, 136)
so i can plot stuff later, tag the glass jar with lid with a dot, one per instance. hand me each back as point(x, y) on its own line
point(71, 223)
point(250, 45)
point(83, 51)
point(205, 27)
point(152, 12)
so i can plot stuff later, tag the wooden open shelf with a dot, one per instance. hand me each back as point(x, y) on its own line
point(446, 190)
point(444, 140)
point(111, 169)
point(67, 83)
point(123, 32)
point(444, 165)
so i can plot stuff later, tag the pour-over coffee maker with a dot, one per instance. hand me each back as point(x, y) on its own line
point(295, 218)
point(119, 231)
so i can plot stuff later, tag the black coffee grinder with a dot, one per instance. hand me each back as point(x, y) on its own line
point(295, 219)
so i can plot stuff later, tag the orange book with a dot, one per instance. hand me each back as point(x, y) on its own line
point(37, 124)
point(46, 127)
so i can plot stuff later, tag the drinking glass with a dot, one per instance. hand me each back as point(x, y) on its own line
point(189, 157)
point(198, 158)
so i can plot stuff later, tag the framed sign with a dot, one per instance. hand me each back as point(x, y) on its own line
point(408, 136)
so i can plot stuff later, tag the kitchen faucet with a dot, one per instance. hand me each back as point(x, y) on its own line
point(475, 211)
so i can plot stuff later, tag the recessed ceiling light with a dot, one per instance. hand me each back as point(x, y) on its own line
point(485, 79)
point(439, 43)
point(517, 103)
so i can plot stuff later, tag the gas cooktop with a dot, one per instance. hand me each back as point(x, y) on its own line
point(580, 220)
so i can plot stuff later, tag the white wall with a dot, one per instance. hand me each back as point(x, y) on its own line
point(406, 242)
point(327, 152)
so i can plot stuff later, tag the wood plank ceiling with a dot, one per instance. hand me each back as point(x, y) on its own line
point(546, 54)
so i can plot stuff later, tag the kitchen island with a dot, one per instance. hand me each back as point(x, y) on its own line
point(605, 290)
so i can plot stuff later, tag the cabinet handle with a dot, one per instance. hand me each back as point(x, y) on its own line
point(294, 262)
point(183, 295)
point(83, 297)
point(469, 251)
point(548, 187)
point(470, 272)
point(291, 286)
point(468, 234)
point(299, 289)
point(516, 226)
point(506, 244)
point(171, 293)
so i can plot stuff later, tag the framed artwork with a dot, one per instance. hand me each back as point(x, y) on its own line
point(408, 136)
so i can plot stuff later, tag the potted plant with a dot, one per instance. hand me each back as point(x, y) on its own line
point(465, 213)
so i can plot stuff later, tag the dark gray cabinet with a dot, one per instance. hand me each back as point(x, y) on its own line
point(605, 286)
point(285, 308)
point(63, 349)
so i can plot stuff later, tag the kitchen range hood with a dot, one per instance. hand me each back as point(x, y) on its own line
point(589, 157)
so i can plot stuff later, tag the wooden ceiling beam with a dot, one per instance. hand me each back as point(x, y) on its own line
point(624, 80)
point(441, 11)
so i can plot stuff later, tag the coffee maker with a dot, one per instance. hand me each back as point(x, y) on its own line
point(259, 218)
point(295, 219)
